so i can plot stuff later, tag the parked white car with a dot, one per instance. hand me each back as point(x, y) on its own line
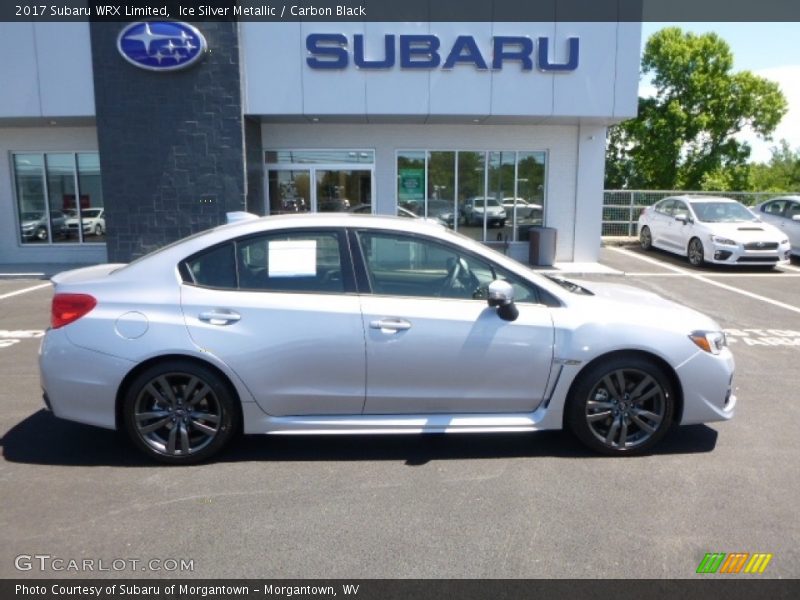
point(712, 230)
point(93, 220)
point(345, 324)
point(783, 213)
point(476, 210)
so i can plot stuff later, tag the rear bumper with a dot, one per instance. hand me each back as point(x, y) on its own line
point(79, 384)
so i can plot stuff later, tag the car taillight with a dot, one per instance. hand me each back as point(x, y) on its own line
point(67, 308)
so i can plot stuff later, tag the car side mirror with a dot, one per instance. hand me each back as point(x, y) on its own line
point(501, 296)
point(683, 219)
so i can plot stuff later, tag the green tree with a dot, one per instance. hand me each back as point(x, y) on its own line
point(780, 174)
point(685, 133)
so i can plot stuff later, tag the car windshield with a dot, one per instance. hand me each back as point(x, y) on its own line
point(722, 212)
point(91, 212)
point(489, 202)
point(31, 216)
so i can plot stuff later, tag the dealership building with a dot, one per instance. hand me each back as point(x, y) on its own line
point(118, 138)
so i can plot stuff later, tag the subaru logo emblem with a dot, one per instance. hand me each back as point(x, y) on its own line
point(760, 244)
point(161, 45)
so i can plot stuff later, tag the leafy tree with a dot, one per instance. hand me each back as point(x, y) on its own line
point(685, 133)
point(781, 173)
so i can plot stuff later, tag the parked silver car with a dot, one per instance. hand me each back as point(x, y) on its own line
point(320, 324)
point(784, 213)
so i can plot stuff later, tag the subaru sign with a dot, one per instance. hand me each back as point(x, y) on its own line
point(331, 51)
point(161, 45)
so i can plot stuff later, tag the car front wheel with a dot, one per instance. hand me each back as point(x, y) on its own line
point(645, 238)
point(695, 253)
point(622, 406)
point(180, 412)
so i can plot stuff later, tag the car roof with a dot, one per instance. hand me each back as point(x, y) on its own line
point(691, 198)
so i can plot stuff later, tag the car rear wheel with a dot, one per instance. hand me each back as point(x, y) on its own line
point(180, 412)
point(695, 253)
point(622, 406)
point(645, 238)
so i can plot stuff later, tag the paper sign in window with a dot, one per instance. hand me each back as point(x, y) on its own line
point(296, 258)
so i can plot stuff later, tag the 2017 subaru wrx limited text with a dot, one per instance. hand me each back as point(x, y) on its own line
point(345, 324)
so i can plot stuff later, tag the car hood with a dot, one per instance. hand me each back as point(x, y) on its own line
point(634, 304)
point(745, 232)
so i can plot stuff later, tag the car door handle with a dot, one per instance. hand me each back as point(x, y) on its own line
point(389, 324)
point(218, 317)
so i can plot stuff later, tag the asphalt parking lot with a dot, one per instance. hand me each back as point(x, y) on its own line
point(436, 507)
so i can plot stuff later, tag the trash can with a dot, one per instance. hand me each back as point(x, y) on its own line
point(542, 246)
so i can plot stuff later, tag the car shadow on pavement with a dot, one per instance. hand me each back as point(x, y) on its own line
point(42, 439)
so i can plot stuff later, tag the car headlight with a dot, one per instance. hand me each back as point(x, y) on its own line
point(723, 241)
point(710, 341)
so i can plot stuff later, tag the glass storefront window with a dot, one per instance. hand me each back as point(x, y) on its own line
point(487, 196)
point(91, 197)
point(33, 220)
point(411, 182)
point(340, 190)
point(319, 180)
point(441, 187)
point(289, 191)
point(61, 191)
point(59, 197)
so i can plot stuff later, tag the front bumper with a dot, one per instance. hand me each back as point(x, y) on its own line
point(746, 254)
point(708, 392)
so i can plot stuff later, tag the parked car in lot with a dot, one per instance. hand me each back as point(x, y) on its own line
point(34, 225)
point(443, 211)
point(711, 230)
point(525, 211)
point(92, 219)
point(474, 208)
point(322, 324)
point(783, 213)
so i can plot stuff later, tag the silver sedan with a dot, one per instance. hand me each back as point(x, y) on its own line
point(345, 324)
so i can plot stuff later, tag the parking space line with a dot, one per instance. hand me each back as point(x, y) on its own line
point(708, 281)
point(24, 290)
point(648, 274)
point(790, 268)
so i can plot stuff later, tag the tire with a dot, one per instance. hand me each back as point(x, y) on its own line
point(41, 234)
point(172, 428)
point(622, 406)
point(695, 253)
point(98, 230)
point(645, 238)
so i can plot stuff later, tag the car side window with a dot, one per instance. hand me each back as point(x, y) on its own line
point(793, 210)
point(291, 262)
point(775, 208)
point(665, 208)
point(405, 265)
point(679, 209)
point(214, 268)
point(285, 262)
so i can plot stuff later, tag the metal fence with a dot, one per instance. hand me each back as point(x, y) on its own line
point(621, 208)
